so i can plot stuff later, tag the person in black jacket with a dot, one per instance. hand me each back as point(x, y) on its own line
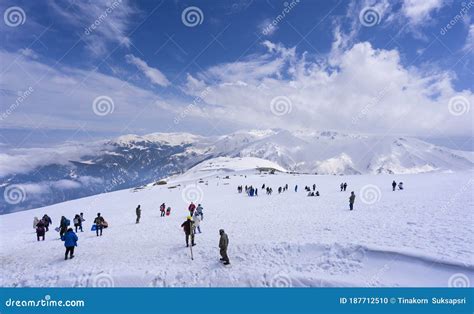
point(188, 228)
point(47, 221)
point(394, 185)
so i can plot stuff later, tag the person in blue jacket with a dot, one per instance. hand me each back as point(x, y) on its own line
point(70, 242)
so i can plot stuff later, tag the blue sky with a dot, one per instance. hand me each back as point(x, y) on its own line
point(147, 66)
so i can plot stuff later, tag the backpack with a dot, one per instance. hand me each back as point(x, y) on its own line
point(67, 222)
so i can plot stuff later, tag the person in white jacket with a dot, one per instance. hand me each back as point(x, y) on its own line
point(197, 222)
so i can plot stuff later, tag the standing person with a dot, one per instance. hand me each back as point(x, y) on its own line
point(81, 215)
point(188, 228)
point(64, 223)
point(191, 209)
point(197, 222)
point(199, 210)
point(296, 188)
point(139, 213)
point(77, 222)
point(223, 244)
point(162, 210)
point(256, 192)
point(345, 186)
point(47, 221)
point(342, 187)
point(351, 200)
point(394, 185)
point(314, 187)
point(70, 241)
point(40, 230)
point(99, 224)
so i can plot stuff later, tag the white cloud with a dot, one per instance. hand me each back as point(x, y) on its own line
point(420, 11)
point(360, 81)
point(100, 22)
point(469, 45)
point(27, 52)
point(153, 74)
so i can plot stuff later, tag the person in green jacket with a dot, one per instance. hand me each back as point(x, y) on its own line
point(351, 200)
point(223, 244)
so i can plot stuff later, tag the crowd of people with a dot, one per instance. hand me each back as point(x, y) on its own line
point(311, 190)
point(191, 226)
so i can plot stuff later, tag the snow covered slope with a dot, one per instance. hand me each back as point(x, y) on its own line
point(46, 176)
point(421, 236)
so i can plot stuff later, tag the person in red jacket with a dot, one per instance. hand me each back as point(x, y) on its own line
point(191, 209)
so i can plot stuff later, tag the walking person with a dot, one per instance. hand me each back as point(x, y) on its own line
point(162, 210)
point(191, 209)
point(70, 242)
point(99, 222)
point(351, 200)
point(223, 245)
point(139, 213)
point(394, 185)
point(197, 222)
point(77, 222)
point(63, 224)
point(188, 228)
point(47, 221)
point(40, 230)
point(199, 210)
point(345, 186)
point(342, 187)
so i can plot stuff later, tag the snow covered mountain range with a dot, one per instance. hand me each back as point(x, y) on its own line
point(38, 177)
